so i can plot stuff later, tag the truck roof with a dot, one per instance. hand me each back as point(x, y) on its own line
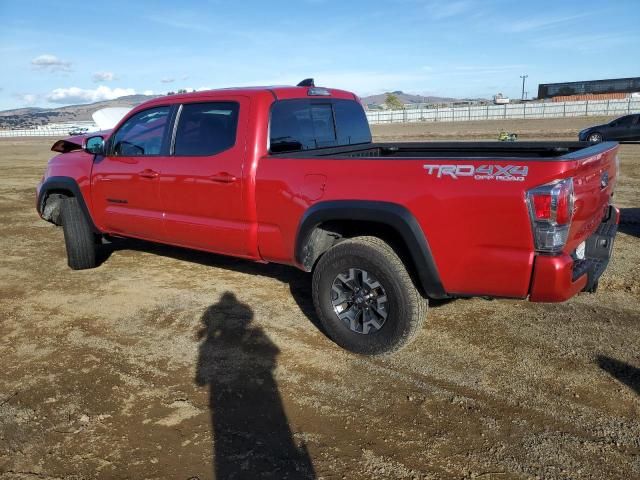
point(277, 92)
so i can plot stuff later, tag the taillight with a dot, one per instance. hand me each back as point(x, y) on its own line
point(551, 211)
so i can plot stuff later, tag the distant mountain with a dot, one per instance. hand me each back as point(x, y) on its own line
point(28, 117)
point(406, 98)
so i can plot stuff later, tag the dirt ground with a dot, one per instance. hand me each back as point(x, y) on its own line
point(134, 369)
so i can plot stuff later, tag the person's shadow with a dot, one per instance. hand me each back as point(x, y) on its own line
point(251, 434)
point(623, 372)
point(630, 221)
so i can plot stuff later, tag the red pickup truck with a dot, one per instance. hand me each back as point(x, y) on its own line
point(291, 175)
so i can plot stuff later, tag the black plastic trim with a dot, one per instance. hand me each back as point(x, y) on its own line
point(64, 183)
point(598, 251)
point(390, 214)
point(453, 151)
point(593, 149)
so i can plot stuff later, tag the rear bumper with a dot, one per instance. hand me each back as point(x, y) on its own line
point(558, 278)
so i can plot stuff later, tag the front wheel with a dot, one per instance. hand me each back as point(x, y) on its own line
point(78, 236)
point(595, 137)
point(365, 297)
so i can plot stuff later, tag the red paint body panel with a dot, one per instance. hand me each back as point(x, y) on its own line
point(479, 232)
point(216, 216)
point(552, 279)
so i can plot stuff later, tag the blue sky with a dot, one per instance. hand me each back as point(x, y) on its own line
point(64, 52)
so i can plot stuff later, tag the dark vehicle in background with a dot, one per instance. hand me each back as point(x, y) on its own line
point(623, 129)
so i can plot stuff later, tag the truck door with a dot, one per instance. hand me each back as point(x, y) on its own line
point(124, 182)
point(201, 184)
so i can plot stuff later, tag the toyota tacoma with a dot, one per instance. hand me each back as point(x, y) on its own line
point(291, 175)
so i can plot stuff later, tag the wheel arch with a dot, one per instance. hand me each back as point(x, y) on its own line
point(322, 226)
point(62, 186)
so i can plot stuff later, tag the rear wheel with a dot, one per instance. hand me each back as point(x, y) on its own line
point(78, 236)
point(595, 137)
point(365, 297)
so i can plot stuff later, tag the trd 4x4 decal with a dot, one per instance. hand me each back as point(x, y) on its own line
point(505, 173)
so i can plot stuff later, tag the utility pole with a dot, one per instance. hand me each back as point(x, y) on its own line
point(523, 77)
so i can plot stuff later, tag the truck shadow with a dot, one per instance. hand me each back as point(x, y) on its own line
point(621, 371)
point(251, 434)
point(299, 282)
point(630, 221)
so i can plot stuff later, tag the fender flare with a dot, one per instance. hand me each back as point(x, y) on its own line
point(390, 214)
point(65, 183)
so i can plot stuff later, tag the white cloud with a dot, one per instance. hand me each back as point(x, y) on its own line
point(103, 76)
point(148, 92)
point(167, 80)
point(540, 23)
point(81, 95)
point(441, 10)
point(26, 98)
point(180, 20)
point(51, 63)
point(362, 82)
point(582, 43)
point(473, 70)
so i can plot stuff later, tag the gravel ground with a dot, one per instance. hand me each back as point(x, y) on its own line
point(134, 369)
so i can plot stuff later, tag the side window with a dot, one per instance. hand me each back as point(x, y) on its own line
point(206, 128)
point(142, 134)
point(352, 123)
point(624, 121)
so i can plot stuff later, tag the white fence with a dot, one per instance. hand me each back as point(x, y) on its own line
point(35, 132)
point(509, 111)
point(50, 130)
point(447, 114)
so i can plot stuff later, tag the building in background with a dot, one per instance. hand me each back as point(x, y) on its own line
point(610, 89)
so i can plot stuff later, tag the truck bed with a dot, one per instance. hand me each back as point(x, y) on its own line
point(533, 150)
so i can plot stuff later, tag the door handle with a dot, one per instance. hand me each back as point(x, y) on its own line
point(223, 177)
point(148, 173)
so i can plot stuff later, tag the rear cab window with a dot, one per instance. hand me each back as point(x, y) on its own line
point(306, 124)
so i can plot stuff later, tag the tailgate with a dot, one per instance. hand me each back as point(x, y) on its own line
point(594, 178)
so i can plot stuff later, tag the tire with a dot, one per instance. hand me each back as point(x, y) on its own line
point(595, 137)
point(396, 296)
point(78, 236)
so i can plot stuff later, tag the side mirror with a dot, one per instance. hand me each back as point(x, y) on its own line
point(94, 145)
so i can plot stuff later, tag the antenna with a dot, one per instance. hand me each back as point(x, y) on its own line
point(307, 82)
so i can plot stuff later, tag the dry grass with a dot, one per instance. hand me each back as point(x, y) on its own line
point(122, 371)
